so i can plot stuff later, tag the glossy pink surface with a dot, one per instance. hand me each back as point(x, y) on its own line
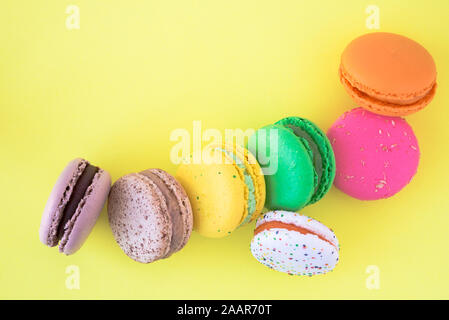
point(376, 156)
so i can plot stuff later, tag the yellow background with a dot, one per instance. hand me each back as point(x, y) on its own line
point(113, 91)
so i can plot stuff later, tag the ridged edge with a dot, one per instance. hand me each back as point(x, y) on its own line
point(326, 152)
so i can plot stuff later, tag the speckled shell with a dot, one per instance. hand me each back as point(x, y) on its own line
point(139, 216)
point(376, 156)
point(293, 252)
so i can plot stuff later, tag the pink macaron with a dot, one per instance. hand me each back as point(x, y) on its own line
point(376, 156)
point(74, 206)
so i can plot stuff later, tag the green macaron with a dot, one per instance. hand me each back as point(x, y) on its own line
point(297, 160)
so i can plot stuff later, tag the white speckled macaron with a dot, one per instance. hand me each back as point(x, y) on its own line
point(295, 244)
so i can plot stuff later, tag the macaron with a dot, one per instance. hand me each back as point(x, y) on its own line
point(150, 215)
point(74, 206)
point(297, 160)
point(388, 74)
point(376, 156)
point(295, 244)
point(226, 189)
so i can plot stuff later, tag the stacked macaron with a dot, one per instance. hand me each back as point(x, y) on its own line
point(149, 212)
point(376, 151)
point(299, 167)
point(152, 214)
point(370, 151)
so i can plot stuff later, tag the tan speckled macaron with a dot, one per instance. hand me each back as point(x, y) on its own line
point(150, 215)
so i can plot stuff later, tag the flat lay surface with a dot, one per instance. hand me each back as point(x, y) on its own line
point(114, 88)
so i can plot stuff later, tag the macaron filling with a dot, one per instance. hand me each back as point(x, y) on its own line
point(406, 100)
point(173, 210)
point(248, 180)
point(291, 227)
point(78, 193)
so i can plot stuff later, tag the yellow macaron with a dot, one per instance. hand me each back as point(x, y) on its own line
point(226, 189)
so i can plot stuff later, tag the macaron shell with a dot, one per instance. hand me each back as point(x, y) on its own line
point(299, 220)
point(388, 73)
point(376, 156)
point(254, 170)
point(218, 196)
point(183, 202)
point(385, 108)
point(60, 194)
point(293, 183)
point(390, 65)
point(325, 150)
point(293, 252)
point(139, 219)
point(87, 213)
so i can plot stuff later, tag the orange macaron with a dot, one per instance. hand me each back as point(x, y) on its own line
point(388, 74)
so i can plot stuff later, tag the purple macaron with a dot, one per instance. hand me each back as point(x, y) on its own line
point(74, 205)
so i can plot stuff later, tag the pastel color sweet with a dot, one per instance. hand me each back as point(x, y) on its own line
point(388, 73)
point(296, 253)
point(219, 191)
point(77, 229)
point(376, 156)
point(303, 161)
point(150, 215)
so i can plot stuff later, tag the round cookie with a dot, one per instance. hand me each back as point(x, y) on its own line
point(150, 215)
point(226, 189)
point(297, 160)
point(74, 205)
point(376, 156)
point(388, 74)
point(295, 244)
